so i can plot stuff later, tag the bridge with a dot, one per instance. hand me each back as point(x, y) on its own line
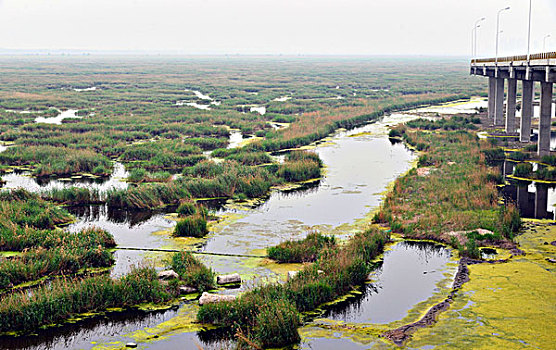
point(539, 67)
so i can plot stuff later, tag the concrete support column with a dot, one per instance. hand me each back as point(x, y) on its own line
point(510, 106)
point(499, 103)
point(491, 98)
point(544, 122)
point(526, 111)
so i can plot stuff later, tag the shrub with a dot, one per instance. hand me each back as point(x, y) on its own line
point(394, 133)
point(493, 154)
point(187, 208)
point(523, 169)
point(192, 271)
point(191, 226)
point(519, 156)
point(549, 159)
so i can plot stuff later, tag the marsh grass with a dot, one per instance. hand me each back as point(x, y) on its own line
point(191, 226)
point(192, 272)
point(271, 314)
point(304, 250)
point(64, 298)
point(458, 193)
point(23, 208)
point(57, 161)
point(48, 252)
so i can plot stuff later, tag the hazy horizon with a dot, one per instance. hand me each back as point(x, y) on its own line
point(439, 28)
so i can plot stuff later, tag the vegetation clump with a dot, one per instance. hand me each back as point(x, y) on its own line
point(300, 166)
point(523, 169)
point(271, 314)
point(57, 161)
point(63, 298)
point(47, 253)
point(454, 123)
point(187, 208)
point(192, 272)
point(304, 250)
point(191, 226)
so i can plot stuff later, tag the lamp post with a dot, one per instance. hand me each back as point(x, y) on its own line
point(498, 30)
point(529, 35)
point(477, 25)
point(544, 42)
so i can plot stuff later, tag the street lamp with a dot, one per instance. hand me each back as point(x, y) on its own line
point(498, 30)
point(474, 34)
point(529, 35)
point(544, 42)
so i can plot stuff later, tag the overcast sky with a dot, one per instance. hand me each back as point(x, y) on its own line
point(342, 27)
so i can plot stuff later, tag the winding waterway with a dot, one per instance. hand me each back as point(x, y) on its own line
point(360, 164)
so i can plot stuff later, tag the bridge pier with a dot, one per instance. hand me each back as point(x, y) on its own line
point(491, 98)
point(544, 122)
point(510, 106)
point(526, 111)
point(528, 69)
point(499, 102)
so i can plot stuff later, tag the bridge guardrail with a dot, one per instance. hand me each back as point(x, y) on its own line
point(536, 56)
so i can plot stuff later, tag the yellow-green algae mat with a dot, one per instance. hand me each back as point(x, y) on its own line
point(504, 306)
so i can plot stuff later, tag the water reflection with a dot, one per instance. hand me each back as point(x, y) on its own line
point(33, 184)
point(80, 335)
point(532, 198)
point(409, 274)
point(133, 229)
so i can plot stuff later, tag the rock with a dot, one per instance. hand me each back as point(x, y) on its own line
point(131, 345)
point(208, 298)
point(320, 272)
point(291, 274)
point(167, 275)
point(483, 231)
point(423, 171)
point(226, 279)
point(187, 290)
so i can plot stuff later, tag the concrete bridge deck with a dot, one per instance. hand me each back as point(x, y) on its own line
point(540, 68)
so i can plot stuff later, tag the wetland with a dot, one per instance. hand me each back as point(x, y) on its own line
point(260, 161)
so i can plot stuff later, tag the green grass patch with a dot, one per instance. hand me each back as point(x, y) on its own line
point(304, 250)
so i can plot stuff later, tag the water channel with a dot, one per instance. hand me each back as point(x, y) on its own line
point(360, 164)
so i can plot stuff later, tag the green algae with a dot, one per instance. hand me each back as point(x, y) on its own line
point(8, 254)
point(183, 322)
point(509, 305)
